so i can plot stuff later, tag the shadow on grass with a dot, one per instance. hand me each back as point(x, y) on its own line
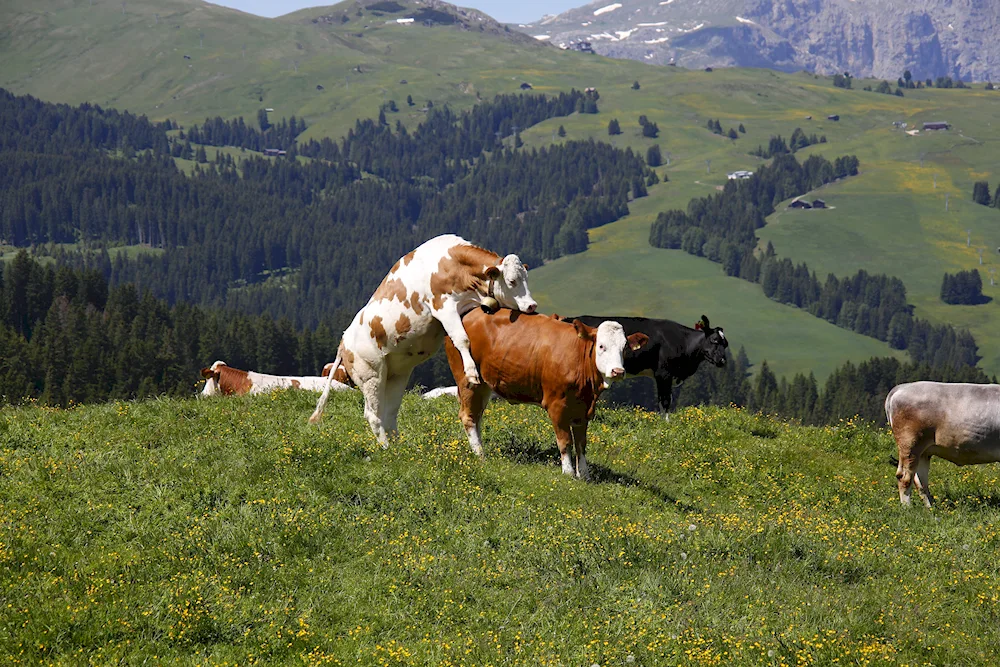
point(972, 501)
point(600, 474)
point(546, 453)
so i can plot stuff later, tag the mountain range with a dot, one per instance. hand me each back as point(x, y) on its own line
point(868, 38)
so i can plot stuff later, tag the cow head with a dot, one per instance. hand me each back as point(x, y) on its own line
point(340, 375)
point(509, 285)
point(609, 347)
point(715, 344)
point(211, 375)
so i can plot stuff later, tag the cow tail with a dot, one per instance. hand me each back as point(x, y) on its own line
point(888, 405)
point(321, 404)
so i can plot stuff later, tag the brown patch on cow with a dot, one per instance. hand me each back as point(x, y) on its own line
point(416, 304)
point(463, 269)
point(296, 384)
point(402, 325)
point(390, 289)
point(395, 267)
point(408, 257)
point(378, 332)
point(233, 381)
point(207, 373)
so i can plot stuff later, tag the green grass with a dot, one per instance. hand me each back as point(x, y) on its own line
point(231, 531)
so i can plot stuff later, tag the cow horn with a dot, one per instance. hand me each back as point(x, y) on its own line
point(490, 304)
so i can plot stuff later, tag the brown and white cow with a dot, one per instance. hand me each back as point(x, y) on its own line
point(958, 422)
point(221, 379)
point(421, 299)
point(560, 366)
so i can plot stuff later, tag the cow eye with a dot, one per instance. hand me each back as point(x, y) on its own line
point(513, 283)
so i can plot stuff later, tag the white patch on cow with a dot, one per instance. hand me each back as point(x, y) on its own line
point(610, 346)
point(567, 464)
point(607, 8)
point(440, 391)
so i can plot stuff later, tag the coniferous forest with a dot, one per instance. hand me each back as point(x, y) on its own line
point(262, 260)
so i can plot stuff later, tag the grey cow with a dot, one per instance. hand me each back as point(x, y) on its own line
point(956, 421)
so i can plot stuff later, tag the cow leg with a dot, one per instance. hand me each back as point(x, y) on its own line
point(664, 394)
point(395, 387)
point(923, 478)
point(373, 388)
point(909, 446)
point(473, 403)
point(452, 323)
point(579, 432)
point(564, 433)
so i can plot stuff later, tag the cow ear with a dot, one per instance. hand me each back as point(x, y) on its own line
point(582, 330)
point(526, 267)
point(705, 325)
point(637, 341)
point(493, 272)
point(207, 373)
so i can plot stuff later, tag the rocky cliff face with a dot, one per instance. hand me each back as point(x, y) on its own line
point(869, 38)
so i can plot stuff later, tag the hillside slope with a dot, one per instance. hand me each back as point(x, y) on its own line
point(232, 531)
point(869, 38)
point(188, 59)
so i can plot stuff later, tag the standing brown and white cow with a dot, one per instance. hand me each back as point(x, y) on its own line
point(421, 299)
point(958, 422)
point(560, 366)
point(222, 379)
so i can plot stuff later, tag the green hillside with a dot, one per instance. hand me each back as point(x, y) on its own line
point(232, 532)
point(64, 51)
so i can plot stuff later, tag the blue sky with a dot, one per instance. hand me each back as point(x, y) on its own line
point(508, 11)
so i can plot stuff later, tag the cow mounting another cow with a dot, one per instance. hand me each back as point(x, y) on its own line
point(422, 298)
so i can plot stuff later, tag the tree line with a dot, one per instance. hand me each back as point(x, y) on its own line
point(68, 337)
point(304, 239)
point(722, 228)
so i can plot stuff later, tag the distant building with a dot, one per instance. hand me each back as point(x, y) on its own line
point(319, 86)
point(404, 21)
point(274, 152)
point(525, 86)
point(740, 175)
point(582, 47)
point(936, 125)
point(798, 203)
point(833, 116)
point(819, 203)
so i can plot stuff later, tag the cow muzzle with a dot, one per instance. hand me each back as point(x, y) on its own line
point(617, 373)
point(531, 309)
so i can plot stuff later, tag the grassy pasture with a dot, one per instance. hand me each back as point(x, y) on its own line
point(232, 532)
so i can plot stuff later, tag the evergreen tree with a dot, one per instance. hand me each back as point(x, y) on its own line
point(653, 156)
point(981, 193)
point(613, 127)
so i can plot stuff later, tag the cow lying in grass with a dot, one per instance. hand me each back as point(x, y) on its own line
point(221, 379)
point(560, 366)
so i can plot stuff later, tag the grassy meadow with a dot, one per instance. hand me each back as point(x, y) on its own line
point(232, 532)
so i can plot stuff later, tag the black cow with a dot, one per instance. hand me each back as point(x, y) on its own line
point(673, 352)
